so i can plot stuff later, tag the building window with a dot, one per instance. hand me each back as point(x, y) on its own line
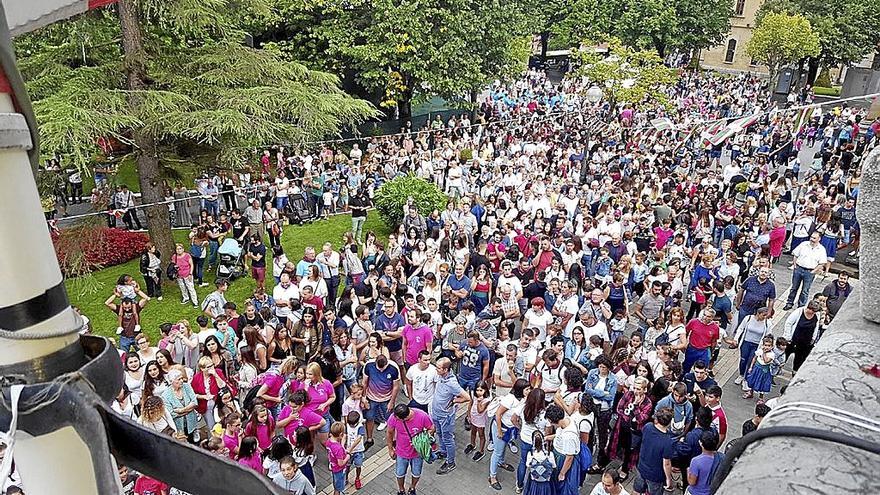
point(731, 51)
point(740, 8)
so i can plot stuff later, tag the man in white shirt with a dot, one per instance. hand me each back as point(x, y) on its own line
point(283, 293)
point(328, 261)
point(421, 382)
point(808, 260)
point(566, 308)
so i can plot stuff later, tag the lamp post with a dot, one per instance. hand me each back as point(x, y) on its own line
point(594, 94)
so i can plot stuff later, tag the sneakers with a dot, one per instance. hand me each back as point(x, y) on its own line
point(368, 443)
point(519, 490)
point(491, 447)
point(738, 380)
point(185, 301)
point(478, 456)
point(203, 284)
point(470, 448)
point(446, 468)
point(412, 491)
point(357, 484)
point(514, 449)
point(787, 306)
point(381, 426)
point(159, 298)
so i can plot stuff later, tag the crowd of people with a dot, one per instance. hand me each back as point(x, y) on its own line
point(568, 304)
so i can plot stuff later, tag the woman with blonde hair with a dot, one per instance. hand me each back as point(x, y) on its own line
point(155, 416)
point(273, 380)
point(185, 270)
point(321, 394)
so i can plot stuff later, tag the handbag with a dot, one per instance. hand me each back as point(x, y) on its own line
point(171, 271)
point(423, 444)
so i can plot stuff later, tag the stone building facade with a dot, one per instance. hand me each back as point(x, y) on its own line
point(730, 55)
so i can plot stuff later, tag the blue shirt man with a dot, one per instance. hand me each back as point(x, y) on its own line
point(655, 454)
point(447, 394)
point(474, 362)
point(682, 409)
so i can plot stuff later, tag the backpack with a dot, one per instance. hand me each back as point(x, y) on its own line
point(171, 272)
point(250, 398)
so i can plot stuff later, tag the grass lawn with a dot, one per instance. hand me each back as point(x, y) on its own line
point(89, 295)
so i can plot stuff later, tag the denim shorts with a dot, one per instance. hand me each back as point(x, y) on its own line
point(377, 411)
point(469, 385)
point(642, 485)
point(415, 466)
point(328, 420)
point(339, 481)
point(357, 459)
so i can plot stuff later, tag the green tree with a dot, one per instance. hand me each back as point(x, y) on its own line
point(782, 39)
point(179, 80)
point(626, 75)
point(394, 195)
point(847, 31)
point(403, 50)
point(665, 24)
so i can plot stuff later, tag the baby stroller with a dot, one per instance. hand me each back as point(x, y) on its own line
point(298, 209)
point(231, 264)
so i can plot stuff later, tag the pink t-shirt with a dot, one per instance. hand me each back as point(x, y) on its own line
point(274, 382)
point(306, 418)
point(336, 454)
point(264, 436)
point(318, 394)
point(252, 462)
point(183, 264)
point(231, 443)
point(417, 340)
point(419, 422)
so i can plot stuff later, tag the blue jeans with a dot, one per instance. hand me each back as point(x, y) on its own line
point(803, 279)
point(524, 449)
point(213, 208)
point(692, 355)
point(281, 203)
point(498, 454)
point(126, 343)
point(746, 351)
point(357, 227)
point(446, 432)
point(212, 252)
point(199, 269)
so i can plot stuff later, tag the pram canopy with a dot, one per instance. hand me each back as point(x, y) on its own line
point(230, 247)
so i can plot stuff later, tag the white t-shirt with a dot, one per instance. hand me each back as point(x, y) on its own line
point(567, 441)
point(279, 293)
point(539, 322)
point(511, 405)
point(528, 429)
point(424, 383)
point(551, 379)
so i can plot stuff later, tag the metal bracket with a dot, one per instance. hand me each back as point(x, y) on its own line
point(80, 399)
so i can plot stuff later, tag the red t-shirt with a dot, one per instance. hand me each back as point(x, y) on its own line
point(701, 335)
point(148, 486)
point(719, 419)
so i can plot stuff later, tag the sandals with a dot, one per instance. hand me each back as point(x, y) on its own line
point(496, 485)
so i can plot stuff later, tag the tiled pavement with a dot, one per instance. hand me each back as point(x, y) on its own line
point(471, 477)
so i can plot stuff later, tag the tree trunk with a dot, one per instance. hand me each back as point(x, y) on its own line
point(812, 70)
point(149, 171)
point(875, 64)
point(545, 42)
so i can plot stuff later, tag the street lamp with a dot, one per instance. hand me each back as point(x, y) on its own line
point(594, 94)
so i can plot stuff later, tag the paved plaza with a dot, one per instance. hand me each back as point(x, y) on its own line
point(471, 477)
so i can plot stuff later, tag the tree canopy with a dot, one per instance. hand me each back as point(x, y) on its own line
point(205, 88)
point(782, 39)
point(401, 50)
point(625, 75)
point(847, 31)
